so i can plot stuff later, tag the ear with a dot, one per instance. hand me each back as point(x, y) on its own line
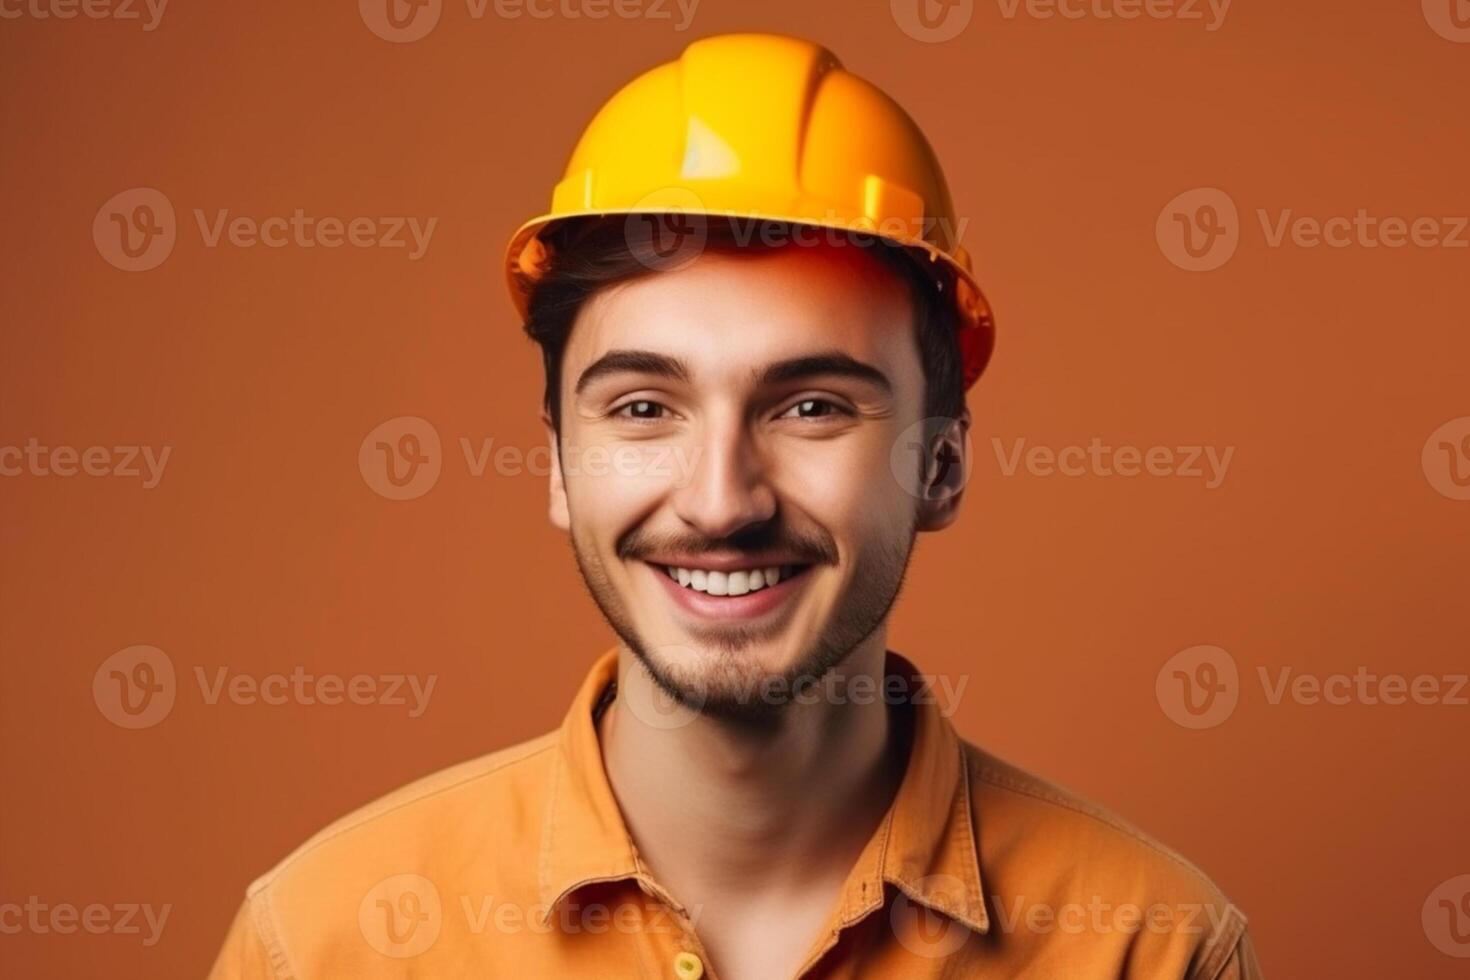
point(946, 471)
point(557, 489)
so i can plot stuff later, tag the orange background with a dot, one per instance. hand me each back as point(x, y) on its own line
point(263, 548)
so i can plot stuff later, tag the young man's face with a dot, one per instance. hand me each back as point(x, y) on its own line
point(725, 464)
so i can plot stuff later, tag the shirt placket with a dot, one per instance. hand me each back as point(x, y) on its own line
point(672, 948)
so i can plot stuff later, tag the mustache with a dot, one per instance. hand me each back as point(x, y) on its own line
point(816, 548)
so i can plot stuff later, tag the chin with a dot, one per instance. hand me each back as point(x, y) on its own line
point(735, 677)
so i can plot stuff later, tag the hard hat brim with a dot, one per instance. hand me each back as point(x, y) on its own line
point(975, 323)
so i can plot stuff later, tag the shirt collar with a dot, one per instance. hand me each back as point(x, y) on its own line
point(924, 846)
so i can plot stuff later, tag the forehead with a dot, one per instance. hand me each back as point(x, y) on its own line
point(728, 314)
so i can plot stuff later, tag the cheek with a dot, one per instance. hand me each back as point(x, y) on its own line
point(610, 487)
point(847, 487)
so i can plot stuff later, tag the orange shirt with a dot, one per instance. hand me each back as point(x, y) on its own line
point(518, 865)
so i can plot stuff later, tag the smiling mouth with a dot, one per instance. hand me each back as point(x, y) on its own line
point(739, 582)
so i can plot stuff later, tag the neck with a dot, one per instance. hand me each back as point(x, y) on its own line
point(755, 809)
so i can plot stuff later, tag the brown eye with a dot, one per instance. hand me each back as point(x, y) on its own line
point(811, 408)
point(642, 410)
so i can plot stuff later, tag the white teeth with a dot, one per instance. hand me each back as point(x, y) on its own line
point(727, 583)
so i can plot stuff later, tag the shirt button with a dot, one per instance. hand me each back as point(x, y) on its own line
point(687, 966)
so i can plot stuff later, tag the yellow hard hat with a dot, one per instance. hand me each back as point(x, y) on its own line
point(762, 126)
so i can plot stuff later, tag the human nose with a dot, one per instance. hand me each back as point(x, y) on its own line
point(729, 482)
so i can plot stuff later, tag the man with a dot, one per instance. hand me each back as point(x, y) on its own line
point(754, 403)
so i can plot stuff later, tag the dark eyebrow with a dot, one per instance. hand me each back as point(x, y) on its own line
point(829, 363)
point(640, 361)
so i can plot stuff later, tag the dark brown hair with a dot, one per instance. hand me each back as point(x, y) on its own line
point(590, 254)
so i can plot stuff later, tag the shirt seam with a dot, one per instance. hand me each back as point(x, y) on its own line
point(970, 869)
point(543, 873)
point(269, 938)
point(615, 872)
point(269, 878)
point(988, 775)
point(1222, 946)
point(854, 911)
point(972, 852)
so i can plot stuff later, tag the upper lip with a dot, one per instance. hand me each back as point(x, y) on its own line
point(715, 562)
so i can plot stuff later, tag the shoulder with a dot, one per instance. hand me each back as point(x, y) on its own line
point(1020, 811)
point(474, 827)
point(431, 814)
point(1054, 863)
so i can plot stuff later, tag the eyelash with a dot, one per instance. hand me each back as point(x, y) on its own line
point(622, 411)
point(836, 409)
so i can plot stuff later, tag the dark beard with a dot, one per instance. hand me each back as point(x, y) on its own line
point(728, 690)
